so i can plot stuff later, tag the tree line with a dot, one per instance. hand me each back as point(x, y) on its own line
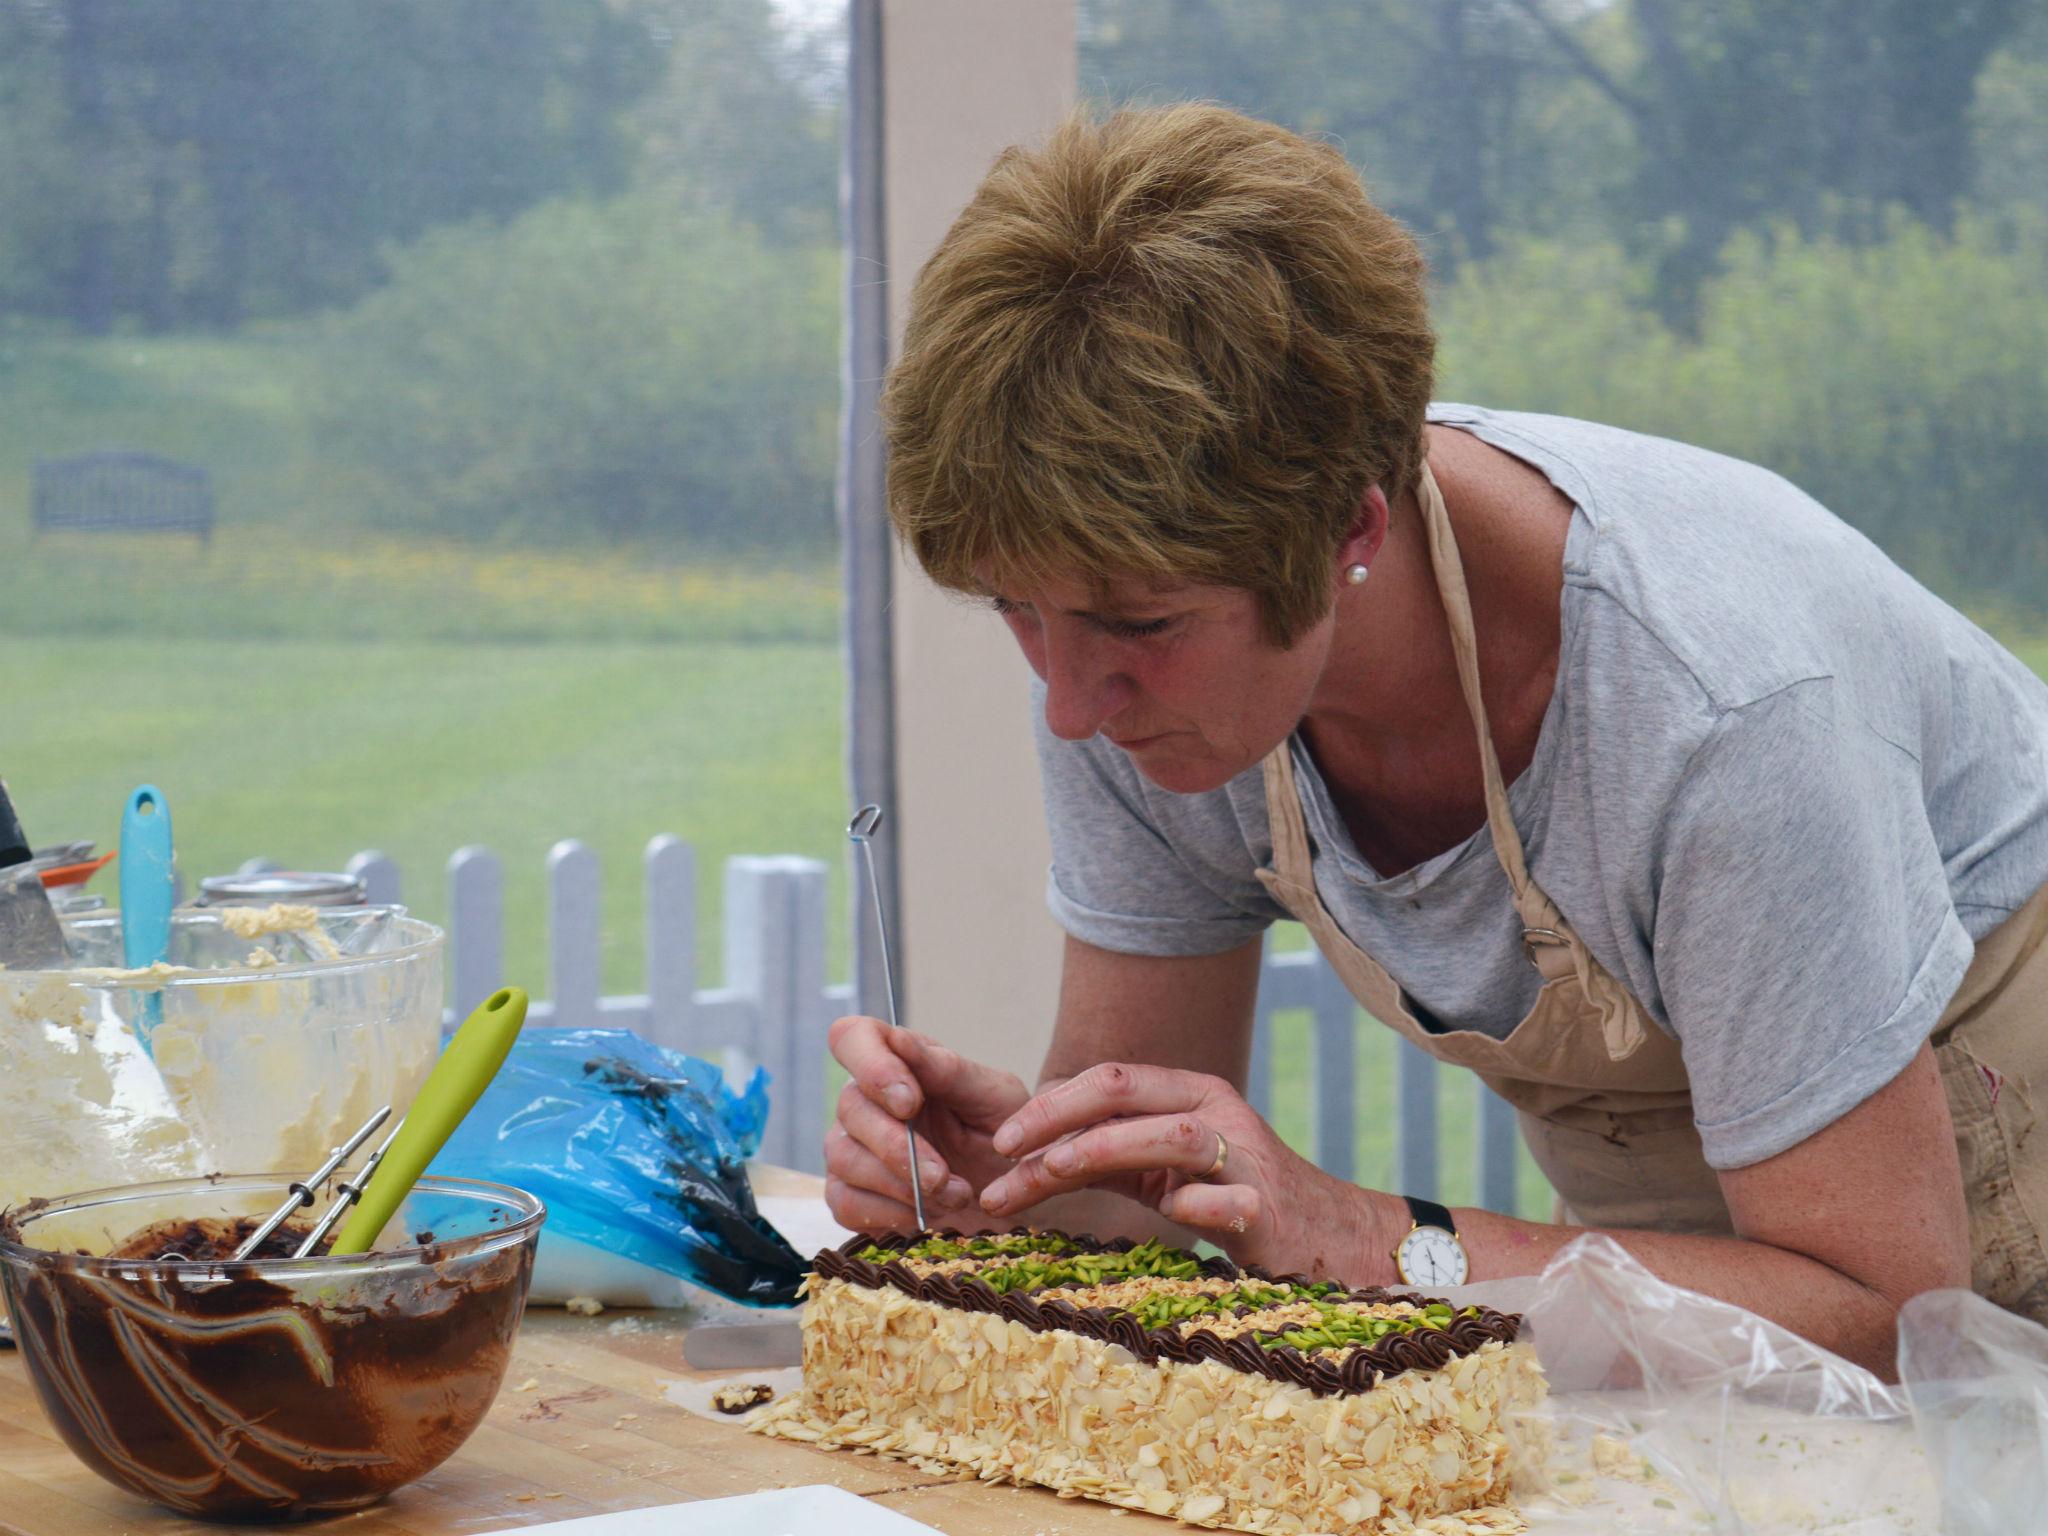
point(1673, 122)
point(572, 270)
point(196, 164)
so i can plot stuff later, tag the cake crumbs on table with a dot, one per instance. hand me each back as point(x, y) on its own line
point(549, 1407)
point(739, 1396)
point(1616, 1458)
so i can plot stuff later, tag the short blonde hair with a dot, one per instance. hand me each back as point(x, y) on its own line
point(1173, 345)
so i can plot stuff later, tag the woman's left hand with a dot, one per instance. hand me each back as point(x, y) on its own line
point(1154, 1135)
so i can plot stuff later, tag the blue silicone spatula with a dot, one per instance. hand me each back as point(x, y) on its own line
point(148, 890)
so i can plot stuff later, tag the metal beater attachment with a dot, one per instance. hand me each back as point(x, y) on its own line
point(303, 1194)
point(862, 828)
point(346, 1194)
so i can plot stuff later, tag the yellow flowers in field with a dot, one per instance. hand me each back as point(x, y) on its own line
point(280, 580)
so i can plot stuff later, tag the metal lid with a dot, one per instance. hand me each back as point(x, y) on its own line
point(285, 887)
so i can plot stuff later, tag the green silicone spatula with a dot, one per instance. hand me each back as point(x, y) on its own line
point(450, 1092)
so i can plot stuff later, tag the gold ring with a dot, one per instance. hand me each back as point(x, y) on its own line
point(1222, 1156)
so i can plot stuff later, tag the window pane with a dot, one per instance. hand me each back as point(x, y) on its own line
point(502, 338)
point(1822, 250)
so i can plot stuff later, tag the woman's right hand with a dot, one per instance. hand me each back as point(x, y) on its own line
point(955, 1105)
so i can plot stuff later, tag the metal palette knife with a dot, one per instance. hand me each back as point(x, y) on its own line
point(862, 830)
point(31, 939)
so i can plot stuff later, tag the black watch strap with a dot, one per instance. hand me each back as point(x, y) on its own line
point(1428, 1213)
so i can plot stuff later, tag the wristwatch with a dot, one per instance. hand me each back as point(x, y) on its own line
point(1431, 1253)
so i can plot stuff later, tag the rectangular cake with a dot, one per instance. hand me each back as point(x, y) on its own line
point(1147, 1377)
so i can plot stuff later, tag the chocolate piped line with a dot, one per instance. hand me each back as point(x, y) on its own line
point(1326, 1373)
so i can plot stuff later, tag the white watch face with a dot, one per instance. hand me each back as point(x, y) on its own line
point(1431, 1256)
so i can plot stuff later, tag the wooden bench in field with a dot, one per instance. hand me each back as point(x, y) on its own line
point(123, 492)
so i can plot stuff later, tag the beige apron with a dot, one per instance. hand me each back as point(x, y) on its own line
point(1602, 1093)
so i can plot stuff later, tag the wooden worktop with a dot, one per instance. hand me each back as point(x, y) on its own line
point(595, 1431)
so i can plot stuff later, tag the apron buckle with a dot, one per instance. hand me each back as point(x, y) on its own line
point(1531, 937)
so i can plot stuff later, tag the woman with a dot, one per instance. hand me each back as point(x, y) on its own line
point(1617, 771)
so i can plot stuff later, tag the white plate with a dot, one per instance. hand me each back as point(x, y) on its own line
point(820, 1511)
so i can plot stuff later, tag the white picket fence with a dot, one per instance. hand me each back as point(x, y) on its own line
point(775, 1003)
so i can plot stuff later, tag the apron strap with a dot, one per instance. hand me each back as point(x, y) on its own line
point(1546, 938)
point(1289, 828)
point(1537, 912)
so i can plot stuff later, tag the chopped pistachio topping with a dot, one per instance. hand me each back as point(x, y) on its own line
point(1098, 1268)
point(1150, 1257)
point(1158, 1311)
point(1345, 1329)
point(939, 1250)
point(1044, 1261)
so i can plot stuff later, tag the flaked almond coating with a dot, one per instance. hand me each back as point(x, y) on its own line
point(1146, 1377)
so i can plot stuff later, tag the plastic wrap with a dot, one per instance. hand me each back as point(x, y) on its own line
point(1673, 1412)
point(638, 1151)
point(1977, 1378)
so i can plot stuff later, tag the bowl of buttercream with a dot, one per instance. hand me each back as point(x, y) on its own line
point(279, 1031)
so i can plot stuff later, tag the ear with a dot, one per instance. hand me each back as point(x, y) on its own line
point(1368, 532)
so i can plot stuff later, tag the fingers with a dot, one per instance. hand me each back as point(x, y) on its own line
point(862, 1210)
point(867, 1049)
point(903, 1070)
point(867, 1125)
point(979, 1095)
point(859, 1167)
point(1111, 1091)
point(1180, 1144)
point(1230, 1210)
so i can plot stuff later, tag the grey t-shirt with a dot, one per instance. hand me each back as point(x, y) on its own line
point(1780, 791)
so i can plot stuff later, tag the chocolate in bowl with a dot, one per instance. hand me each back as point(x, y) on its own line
point(272, 1388)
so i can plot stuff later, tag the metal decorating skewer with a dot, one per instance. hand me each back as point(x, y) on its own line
point(347, 1193)
point(861, 829)
point(302, 1194)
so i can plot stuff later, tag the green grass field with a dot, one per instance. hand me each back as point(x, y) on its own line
point(308, 751)
point(302, 691)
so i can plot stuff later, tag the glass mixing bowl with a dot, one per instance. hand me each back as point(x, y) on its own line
point(271, 1388)
point(272, 1047)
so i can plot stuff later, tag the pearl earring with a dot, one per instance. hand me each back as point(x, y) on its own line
point(1356, 574)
